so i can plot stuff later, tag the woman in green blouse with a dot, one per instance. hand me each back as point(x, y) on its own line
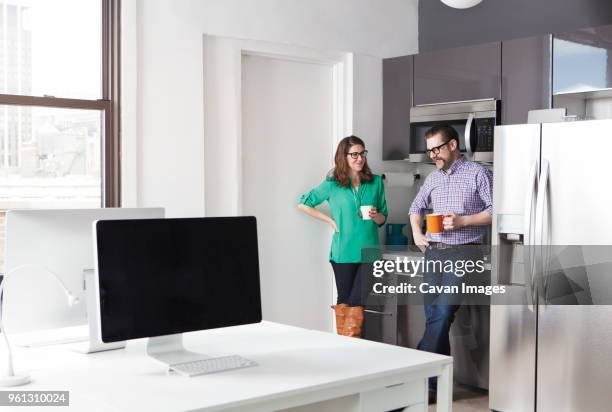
point(349, 186)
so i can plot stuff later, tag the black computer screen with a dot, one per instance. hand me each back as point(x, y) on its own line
point(165, 276)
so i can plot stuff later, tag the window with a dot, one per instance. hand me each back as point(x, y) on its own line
point(59, 88)
point(579, 66)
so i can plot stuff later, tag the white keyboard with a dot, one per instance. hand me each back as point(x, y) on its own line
point(212, 365)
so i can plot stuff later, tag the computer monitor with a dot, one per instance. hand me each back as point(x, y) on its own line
point(160, 277)
point(58, 240)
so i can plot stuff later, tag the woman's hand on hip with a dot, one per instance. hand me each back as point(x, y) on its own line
point(334, 226)
point(311, 211)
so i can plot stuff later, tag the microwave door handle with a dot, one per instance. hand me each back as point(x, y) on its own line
point(468, 133)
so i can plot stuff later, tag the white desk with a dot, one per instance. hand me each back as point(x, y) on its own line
point(299, 370)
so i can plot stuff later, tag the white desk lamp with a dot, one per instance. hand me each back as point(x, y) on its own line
point(9, 378)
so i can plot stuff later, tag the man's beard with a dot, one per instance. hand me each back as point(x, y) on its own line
point(445, 163)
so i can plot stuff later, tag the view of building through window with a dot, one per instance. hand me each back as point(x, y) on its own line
point(51, 48)
point(50, 157)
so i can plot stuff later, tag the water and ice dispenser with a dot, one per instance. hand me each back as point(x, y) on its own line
point(508, 250)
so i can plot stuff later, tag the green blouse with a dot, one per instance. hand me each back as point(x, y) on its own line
point(356, 235)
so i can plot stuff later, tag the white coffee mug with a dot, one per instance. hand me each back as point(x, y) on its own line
point(365, 212)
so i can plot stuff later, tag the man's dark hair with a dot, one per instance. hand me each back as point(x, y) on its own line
point(447, 131)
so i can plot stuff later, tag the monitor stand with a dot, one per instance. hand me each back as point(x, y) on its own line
point(169, 350)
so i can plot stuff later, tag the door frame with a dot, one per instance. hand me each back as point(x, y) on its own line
point(223, 110)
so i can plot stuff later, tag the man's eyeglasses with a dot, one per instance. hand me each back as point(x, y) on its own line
point(435, 150)
point(355, 155)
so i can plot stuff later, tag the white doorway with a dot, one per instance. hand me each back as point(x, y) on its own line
point(287, 148)
point(273, 114)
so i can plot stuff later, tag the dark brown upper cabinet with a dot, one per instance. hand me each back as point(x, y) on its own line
point(397, 101)
point(582, 60)
point(464, 73)
point(525, 77)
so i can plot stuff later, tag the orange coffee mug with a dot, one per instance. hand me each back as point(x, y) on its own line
point(434, 223)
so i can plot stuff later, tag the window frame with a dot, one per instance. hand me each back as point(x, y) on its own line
point(109, 104)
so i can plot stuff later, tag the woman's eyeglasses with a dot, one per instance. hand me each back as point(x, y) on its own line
point(355, 155)
point(435, 150)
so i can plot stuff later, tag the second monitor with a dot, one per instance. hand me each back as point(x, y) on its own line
point(57, 240)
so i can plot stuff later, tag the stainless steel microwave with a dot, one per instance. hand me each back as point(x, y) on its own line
point(474, 120)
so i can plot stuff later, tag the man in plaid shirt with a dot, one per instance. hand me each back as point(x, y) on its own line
point(461, 190)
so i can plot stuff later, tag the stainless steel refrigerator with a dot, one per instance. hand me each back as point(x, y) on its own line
point(552, 199)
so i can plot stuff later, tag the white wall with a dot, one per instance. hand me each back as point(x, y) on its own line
point(222, 129)
point(385, 28)
point(162, 107)
point(164, 57)
point(367, 124)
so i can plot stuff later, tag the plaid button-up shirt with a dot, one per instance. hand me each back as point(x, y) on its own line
point(465, 189)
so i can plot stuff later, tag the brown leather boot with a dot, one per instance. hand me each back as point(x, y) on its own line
point(340, 311)
point(353, 321)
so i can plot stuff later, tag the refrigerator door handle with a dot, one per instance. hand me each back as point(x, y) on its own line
point(542, 230)
point(529, 233)
point(468, 137)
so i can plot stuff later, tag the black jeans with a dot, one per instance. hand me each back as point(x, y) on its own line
point(352, 280)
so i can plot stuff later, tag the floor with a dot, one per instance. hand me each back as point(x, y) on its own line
point(468, 399)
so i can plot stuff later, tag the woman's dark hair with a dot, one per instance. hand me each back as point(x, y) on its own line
point(342, 171)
